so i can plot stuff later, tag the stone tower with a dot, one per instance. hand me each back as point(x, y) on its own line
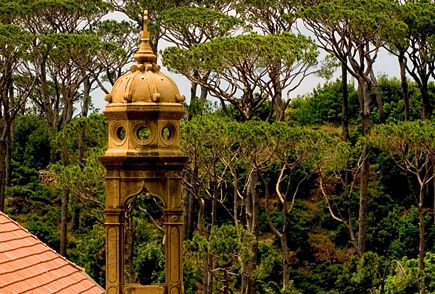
point(144, 156)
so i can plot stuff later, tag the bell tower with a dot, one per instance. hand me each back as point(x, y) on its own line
point(144, 111)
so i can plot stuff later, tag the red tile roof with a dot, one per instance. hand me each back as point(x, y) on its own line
point(29, 266)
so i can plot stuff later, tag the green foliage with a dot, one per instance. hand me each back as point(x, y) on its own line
point(117, 43)
point(419, 17)
point(365, 20)
point(323, 106)
point(193, 25)
point(270, 262)
point(223, 53)
point(13, 39)
point(235, 152)
point(93, 130)
point(83, 179)
point(228, 246)
point(241, 69)
point(391, 93)
point(77, 9)
point(149, 262)
point(32, 139)
point(267, 16)
point(362, 275)
point(87, 250)
point(403, 234)
point(407, 141)
point(67, 48)
point(44, 228)
point(403, 277)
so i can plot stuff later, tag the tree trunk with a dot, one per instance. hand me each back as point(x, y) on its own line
point(378, 96)
point(353, 240)
point(345, 103)
point(365, 168)
point(209, 271)
point(4, 137)
point(9, 135)
point(193, 88)
point(193, 100)
point(235, 197)
point(213, 205)
point(426, 106)
point(68, 111)
point(433, 193)
point(5, 128)
point(248, 279)
point(421, 245)
point(64, 223)
point(76, 218)
point(196, 191)
point(188, 211)
point(8, 158)
point(200, 218)
point(2, 174)
point(404, 82)
point(362, 219)
point(64, 209)
point(203, 95)
point(86, 97)
point(278, 102)
point(47, 106)
point(285, 260)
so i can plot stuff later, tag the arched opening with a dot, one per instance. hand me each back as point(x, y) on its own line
point(144, 240)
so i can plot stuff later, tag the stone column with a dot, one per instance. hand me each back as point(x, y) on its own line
point(173, 249)
point(114, 250)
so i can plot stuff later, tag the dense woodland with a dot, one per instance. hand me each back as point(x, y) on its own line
point(331, 192)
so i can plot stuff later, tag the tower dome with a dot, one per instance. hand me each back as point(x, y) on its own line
point(144, 82)
point(144, 110)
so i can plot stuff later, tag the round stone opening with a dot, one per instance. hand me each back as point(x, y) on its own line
point(143, 133)
point(166, 134)
point(121, 133)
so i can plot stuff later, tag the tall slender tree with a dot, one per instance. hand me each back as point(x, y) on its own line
point(354, 31)
point(420, 19)
point(14, 43)
point(412, 147)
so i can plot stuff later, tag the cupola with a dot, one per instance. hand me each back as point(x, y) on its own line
point(144, 108)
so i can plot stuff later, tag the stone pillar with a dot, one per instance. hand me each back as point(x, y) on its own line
point(114, 250)
point(173, 244)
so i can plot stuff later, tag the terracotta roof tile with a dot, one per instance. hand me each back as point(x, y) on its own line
point(29, 266)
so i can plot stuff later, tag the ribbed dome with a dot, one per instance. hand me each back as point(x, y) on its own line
point(144, 83)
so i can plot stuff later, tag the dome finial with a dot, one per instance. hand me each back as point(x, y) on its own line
point(145, 53)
